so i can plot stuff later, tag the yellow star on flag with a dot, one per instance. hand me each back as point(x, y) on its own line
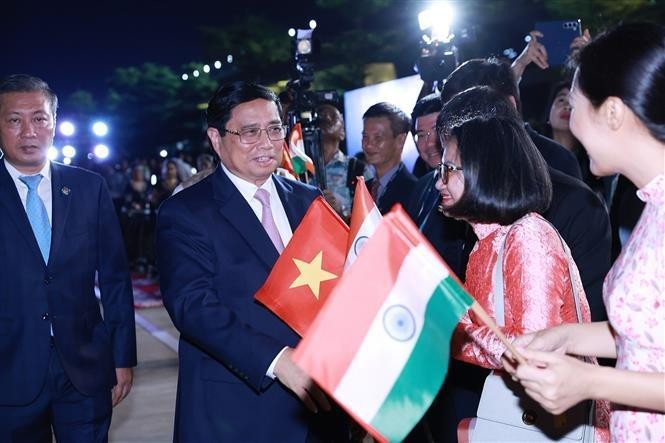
point(311, 274)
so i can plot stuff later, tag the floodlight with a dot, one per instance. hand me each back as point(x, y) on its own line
point(163, 153)
point(52, 153)
point(67, 161)
point(67, 128)
point(68, 151)
point(312, 24)
point(206, 68)
point(185, 76)
point(218, 64)
point(438, 20)
point(100, 129)
point(101, 151)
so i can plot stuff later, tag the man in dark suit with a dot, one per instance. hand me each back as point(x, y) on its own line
point(63, 365)
point(446, 235)
point(385, 128)
point(217, 242)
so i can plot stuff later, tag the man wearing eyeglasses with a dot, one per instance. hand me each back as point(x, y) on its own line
point(444, 233)
point(217, 242)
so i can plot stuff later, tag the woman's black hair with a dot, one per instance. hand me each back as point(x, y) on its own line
point(505, 176)
point(628, 62)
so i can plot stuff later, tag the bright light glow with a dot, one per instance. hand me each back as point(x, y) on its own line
point(153, 179)
point(68, 151)
point(67, 161)
point(196, 73)
point(185, 76)
point(163, 153)
point(52, 153)
point(100, 129)
point(312, 24)
point(67, 128)
point(194, 171)
point(229, 58)
point(218, 64)
point(304, 47)
point(101, 151)
point(206, 68)
point(438, 19)
point(292, 32)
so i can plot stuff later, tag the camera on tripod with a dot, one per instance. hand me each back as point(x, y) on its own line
point(438, 53)
point(303, 102)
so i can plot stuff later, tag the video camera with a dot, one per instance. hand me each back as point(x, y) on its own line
point(303, 101)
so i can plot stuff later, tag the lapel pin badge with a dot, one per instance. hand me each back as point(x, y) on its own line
point(65, 190)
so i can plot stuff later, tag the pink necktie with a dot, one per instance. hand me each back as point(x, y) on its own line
point(267, 220)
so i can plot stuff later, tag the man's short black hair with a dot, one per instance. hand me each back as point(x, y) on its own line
point(230, 95)
point(427, 105)
point(490, 72)
point(400, 123)
point(28, 83)
point(505, 176)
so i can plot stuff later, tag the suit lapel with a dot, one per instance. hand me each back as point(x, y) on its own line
point(60, 192)
point(14, 209)
point(235, 209)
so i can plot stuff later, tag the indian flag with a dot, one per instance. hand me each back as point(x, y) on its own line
point(300, 160)
point(365, 218)
point(380, 345)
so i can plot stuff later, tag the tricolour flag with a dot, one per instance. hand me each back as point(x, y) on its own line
point(380, 346)
point(300, 160)
point(365, 218)
point(287, 164)
point(308, 268)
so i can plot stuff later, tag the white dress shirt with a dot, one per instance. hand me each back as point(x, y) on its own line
point(248, 190)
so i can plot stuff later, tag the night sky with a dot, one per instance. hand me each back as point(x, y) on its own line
point(75, 47)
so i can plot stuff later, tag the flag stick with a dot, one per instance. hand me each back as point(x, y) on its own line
point(485, 318)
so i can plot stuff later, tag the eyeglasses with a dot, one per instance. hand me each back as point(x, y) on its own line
point(252, 135)
point(424, 136)
point(444, 170)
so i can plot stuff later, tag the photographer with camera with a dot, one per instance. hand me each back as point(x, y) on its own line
point(341, 170)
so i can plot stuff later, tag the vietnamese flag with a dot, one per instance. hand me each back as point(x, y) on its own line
point(381, 344)
point(308, 268)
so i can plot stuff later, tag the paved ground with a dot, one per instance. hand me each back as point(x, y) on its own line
point(146, 415)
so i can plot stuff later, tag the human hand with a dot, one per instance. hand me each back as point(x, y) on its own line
point(581, 41)
point(300, 383)
point(534, 52)
point(554, 380)
point(332, 201)
point(125, 377)
point(548, 340)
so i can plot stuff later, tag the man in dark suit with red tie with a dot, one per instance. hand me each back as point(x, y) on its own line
point(63, 365)
point(217, 242)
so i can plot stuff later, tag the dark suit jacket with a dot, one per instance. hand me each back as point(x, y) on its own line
point(555, 155)
point(582, 220)
point(398, 190)
point(213, 255)
point(446, 234)
point(33, 295)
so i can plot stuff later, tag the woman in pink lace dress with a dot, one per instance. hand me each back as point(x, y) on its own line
point(618, 101)
point(494, 178)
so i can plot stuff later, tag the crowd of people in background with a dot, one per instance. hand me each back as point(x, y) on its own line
point(531, 223)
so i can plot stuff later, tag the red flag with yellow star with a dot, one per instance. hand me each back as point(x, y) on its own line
point(308, 269)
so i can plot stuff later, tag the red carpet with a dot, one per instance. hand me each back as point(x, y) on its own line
point(146, 291)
